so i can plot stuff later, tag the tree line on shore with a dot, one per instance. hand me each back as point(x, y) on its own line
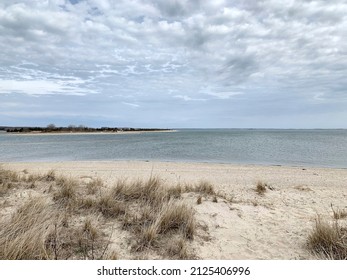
point(72, 128)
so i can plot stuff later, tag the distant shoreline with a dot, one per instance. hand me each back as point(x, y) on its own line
point(90, 132)
point(81, 129)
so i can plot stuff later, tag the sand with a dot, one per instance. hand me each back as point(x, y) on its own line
point(252, 226)
point(38, 133)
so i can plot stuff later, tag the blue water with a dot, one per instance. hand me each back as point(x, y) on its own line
point(325, 148)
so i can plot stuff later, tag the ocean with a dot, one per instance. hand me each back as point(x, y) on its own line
point(320, 148)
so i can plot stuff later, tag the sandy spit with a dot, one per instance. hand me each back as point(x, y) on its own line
point(87, 133)
point(252, 226)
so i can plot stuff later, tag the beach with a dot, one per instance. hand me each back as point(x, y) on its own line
point(241, 223)
point(55, 133)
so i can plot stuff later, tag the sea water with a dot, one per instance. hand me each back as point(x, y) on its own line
point(325, 148)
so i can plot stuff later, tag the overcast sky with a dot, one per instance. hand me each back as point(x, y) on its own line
point(174, 63)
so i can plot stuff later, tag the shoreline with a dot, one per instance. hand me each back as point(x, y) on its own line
point(86, 133)
point(235, 164)
point(182, 165)
point(246, 225)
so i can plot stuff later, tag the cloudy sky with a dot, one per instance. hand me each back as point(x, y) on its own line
point(174, 63)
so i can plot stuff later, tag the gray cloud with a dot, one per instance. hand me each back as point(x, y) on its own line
point(144, 59)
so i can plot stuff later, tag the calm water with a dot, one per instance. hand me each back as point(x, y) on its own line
point(326, 148)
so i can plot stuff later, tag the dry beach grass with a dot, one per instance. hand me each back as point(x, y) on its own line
point(120, 210)
point(63, 218)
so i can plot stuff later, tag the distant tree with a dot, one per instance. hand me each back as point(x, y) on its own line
point(51, 127)
point(71, 127)
point(82, 127)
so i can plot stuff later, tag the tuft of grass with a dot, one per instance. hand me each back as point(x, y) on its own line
point(110, 207)
point(148, 236)
point(261, 187)
point(94, 185)
point(328, 240)
point(339, 213)
point(8, 176)
point(155, 224)
point(4, 187)
point(89, 229)
point(23, 236)
point(83, 242)
point(31, 178)
point(178, 249)
point(88, 203)
point(204, 187)
point(66, 190)
point(8, 180)
point(175, 192)
point(87, 239)
point(50, 176)
point(151, 191)
point(177, 216)
point(199, 200)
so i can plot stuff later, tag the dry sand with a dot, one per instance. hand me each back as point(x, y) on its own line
point(270, 226)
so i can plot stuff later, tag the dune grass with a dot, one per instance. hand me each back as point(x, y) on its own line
point(339, 213)
point(94, 186)
point(328, 240)
point(202, 187)
point(178, 217)
point(260, 188)
point(66, 190)
point(64, 218)
point(38, 230)
point(67, 218)
point(23, 236)
point(155, 212)
point(8, 180)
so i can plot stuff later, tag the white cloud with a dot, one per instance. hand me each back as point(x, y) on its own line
point(39, 87)
point(131, 104)
point(187, 98)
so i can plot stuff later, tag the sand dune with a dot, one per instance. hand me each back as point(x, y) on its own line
point(242, 224)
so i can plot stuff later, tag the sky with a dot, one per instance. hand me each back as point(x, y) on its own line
point(174, 63)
